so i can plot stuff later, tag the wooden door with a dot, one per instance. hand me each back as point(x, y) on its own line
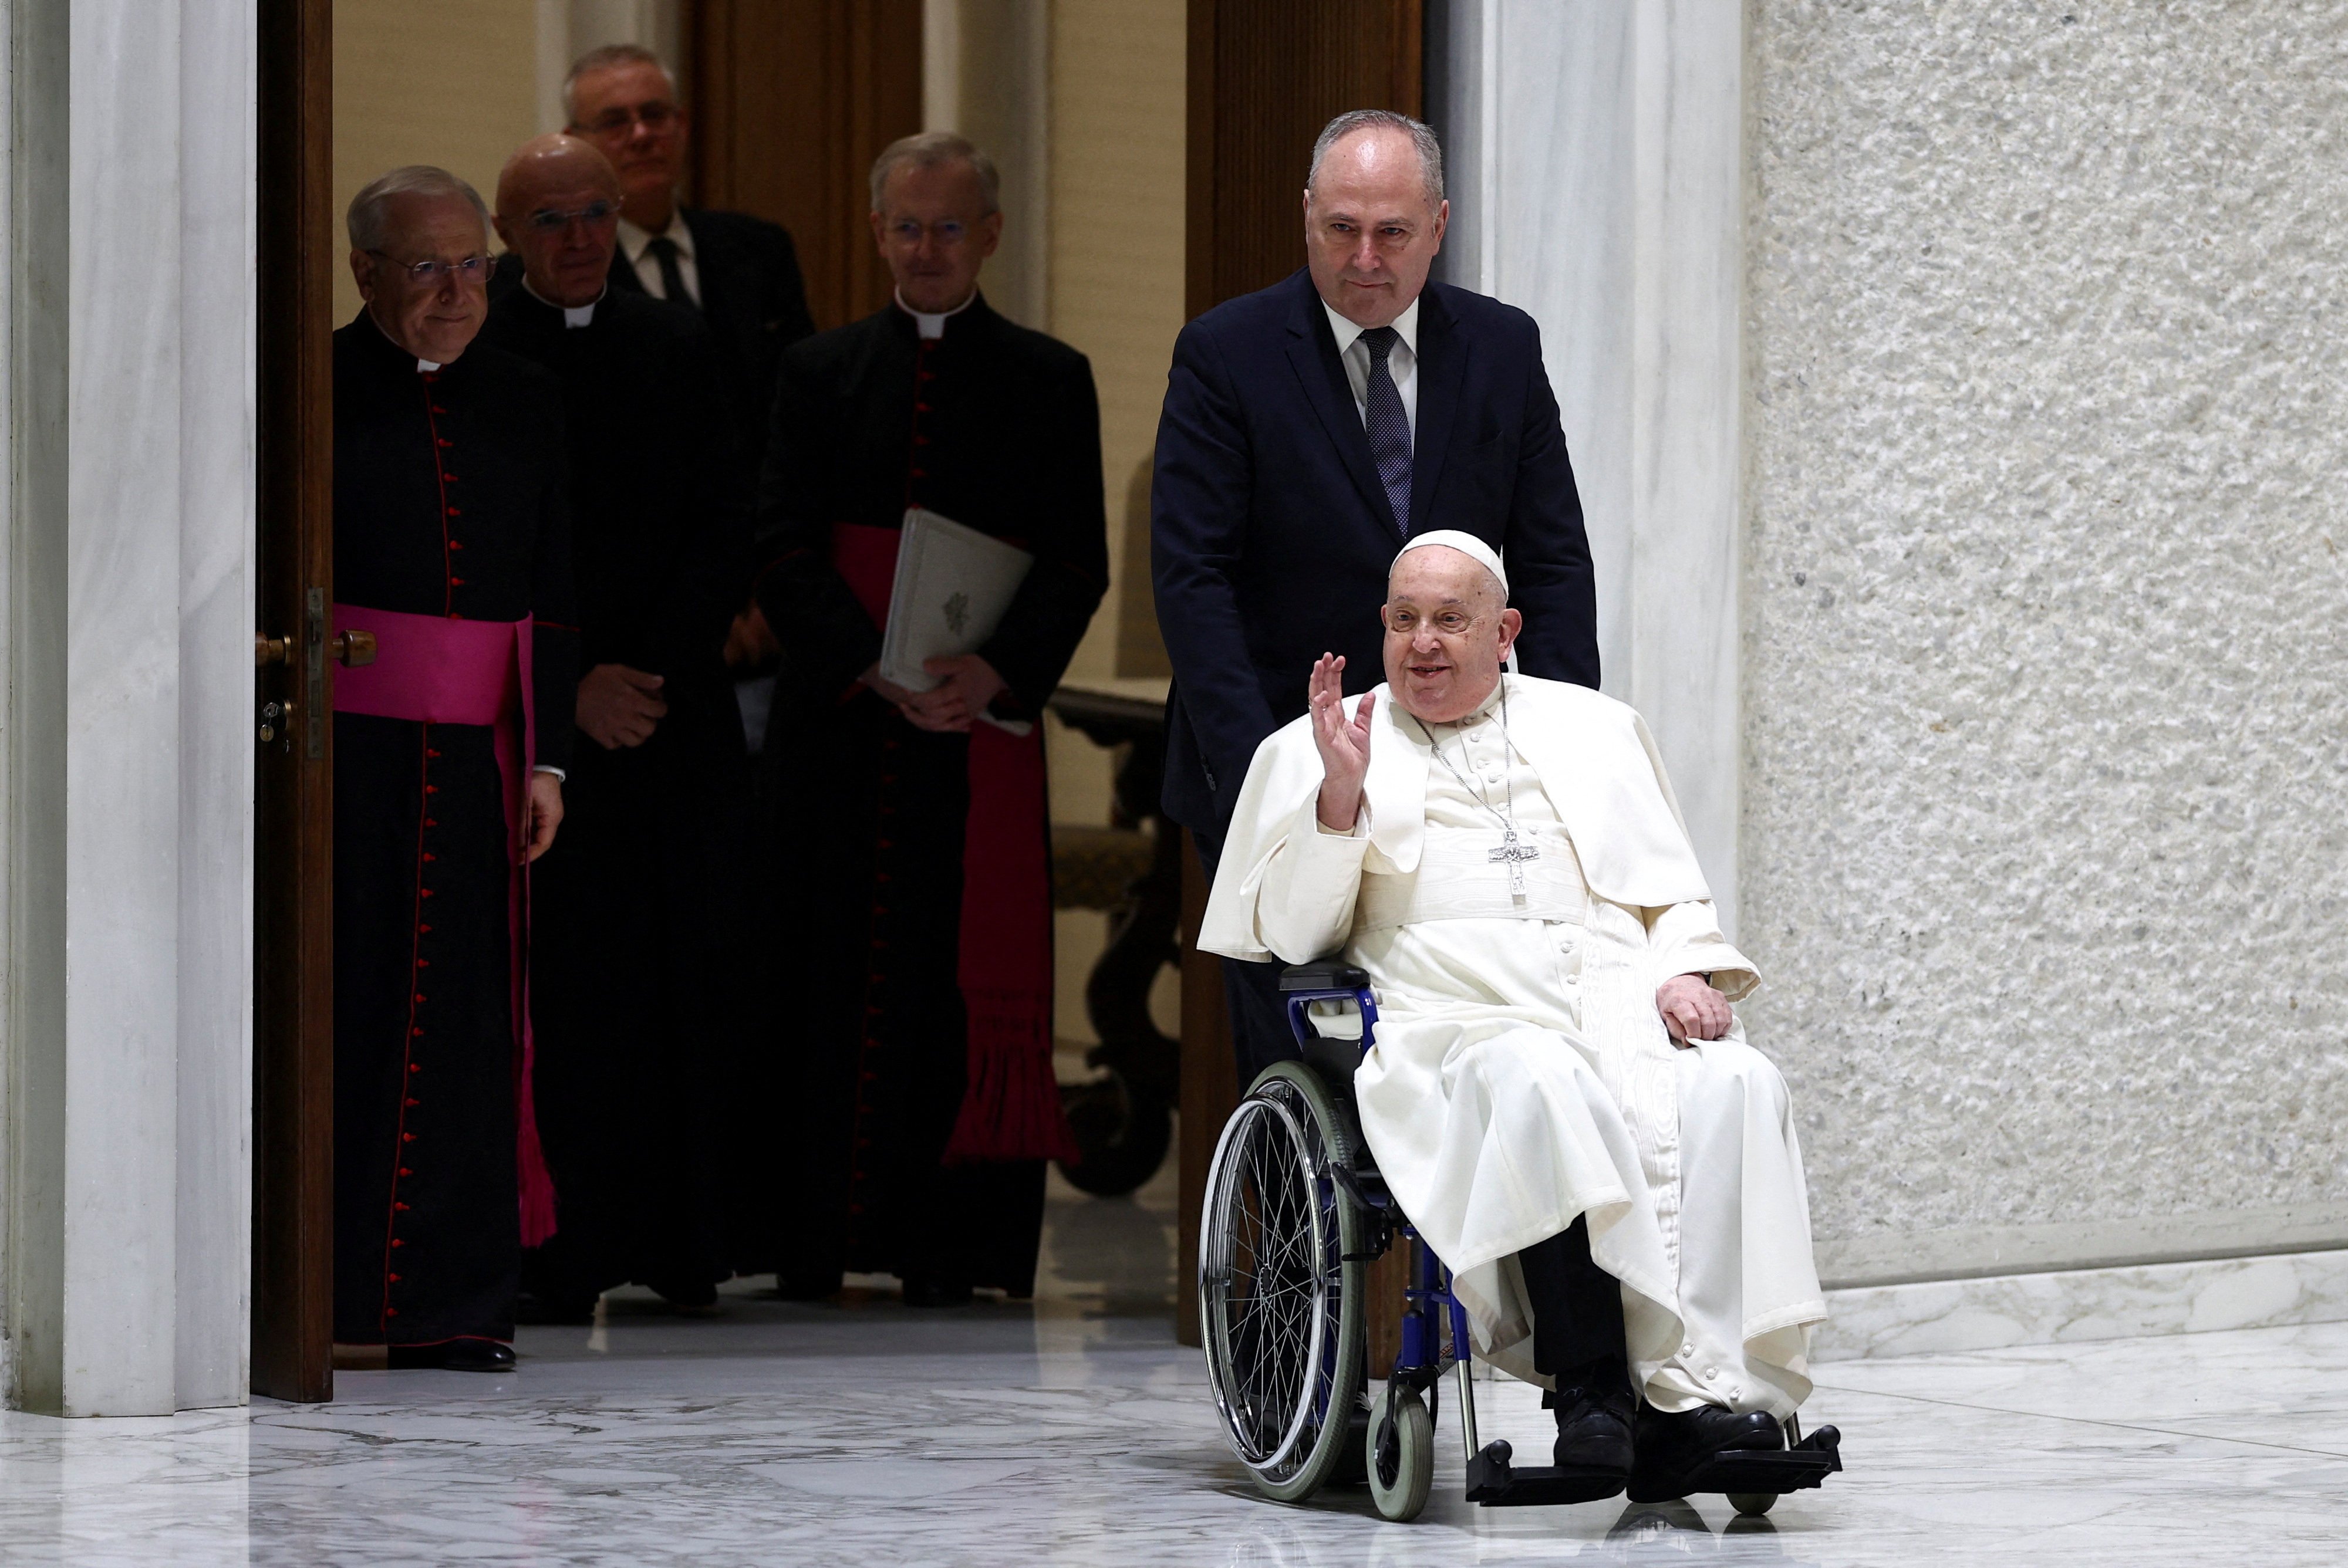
point(293, 953)
point(791, 104)
point(1264, 80)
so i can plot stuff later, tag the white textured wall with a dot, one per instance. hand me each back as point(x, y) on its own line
point(2046, 811)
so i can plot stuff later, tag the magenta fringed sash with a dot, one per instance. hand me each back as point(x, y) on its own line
point(432, 670)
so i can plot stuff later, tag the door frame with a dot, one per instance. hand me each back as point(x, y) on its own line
point(294, 843)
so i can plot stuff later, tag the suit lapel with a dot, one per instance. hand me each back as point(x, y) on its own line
point(1442, 365)
point(624, 275)
point(1313, 353)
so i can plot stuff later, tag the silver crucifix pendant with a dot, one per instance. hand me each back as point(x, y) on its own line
point(1514, 856)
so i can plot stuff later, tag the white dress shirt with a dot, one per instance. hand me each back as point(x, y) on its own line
point(1402, 363)
point(633, 243)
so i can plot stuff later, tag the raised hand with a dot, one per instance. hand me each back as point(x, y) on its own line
point(1343, 744)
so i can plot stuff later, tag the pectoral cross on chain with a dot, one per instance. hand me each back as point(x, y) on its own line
point(1514, 855)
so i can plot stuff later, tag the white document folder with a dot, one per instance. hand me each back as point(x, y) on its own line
point(952, 588)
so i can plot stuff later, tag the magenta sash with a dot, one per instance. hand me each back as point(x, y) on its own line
point(438, 670)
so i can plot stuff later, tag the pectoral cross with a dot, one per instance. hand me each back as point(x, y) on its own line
point(1514, 856)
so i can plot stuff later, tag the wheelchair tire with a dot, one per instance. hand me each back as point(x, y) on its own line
point(1281, 1284)
point(1401, 1457)
point(1752, 1504)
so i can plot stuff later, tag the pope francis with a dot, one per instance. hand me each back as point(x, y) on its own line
point(1557, 1092)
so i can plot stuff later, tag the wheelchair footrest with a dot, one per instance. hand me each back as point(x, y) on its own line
point(1799, 1468)
point(1493, 1481)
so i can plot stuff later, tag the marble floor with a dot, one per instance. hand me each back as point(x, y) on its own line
point(1073, 1430)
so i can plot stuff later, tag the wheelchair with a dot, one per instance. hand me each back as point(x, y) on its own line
point(1295, 1213)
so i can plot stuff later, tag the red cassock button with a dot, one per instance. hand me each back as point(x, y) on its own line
point(391, 1312)
point(393, 1277)
point(407, 1137)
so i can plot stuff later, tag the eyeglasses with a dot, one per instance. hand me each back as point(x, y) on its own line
point(655, 117)
point(1404, 621)
point(905, 231)
point(470, 269)
point(548, 221)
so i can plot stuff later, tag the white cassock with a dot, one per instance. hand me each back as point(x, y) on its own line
point(1519, 1074)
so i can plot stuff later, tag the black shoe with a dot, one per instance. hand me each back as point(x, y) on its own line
point(687, 1298)
point(1673, 1447)
point(544, 1309)
point(806, 1287)
point(936, 1293)
point(1593, 1429)
point(452, 1355)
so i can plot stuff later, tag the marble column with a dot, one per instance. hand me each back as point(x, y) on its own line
point(130, 551)
point(1595, 174)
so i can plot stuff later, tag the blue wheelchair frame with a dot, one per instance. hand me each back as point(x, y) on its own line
point(1429, 1305)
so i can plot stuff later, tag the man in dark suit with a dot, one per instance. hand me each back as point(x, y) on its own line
point(1309, 429)
point(739, 271)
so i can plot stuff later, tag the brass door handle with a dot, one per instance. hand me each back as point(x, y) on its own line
point(267, 650)
point(353, 648)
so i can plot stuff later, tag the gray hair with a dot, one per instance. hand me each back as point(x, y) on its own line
point(609, 57)
point(933, 149)
point(1421, 134)
point(370, 210)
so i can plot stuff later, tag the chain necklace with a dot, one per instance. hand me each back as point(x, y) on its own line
point(1512, 852)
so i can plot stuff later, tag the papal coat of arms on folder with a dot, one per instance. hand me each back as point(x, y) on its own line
point(951, 587)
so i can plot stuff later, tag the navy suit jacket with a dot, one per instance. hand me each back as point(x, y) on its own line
point(1271, 536)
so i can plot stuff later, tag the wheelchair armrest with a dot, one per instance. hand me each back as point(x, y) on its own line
point(1323, 974)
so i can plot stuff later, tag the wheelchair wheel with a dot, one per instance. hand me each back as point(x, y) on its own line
point(1281, 1289)
point(1753, 1504)
point(1401, 1454)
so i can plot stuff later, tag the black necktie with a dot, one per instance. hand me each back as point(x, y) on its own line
point(1389, 427)
point(664, 250)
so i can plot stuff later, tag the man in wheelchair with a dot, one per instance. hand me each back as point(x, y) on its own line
point(1557, 1093)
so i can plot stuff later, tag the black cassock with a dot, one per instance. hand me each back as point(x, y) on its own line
point(639, 905)
point(451, 502)
point(996, 427)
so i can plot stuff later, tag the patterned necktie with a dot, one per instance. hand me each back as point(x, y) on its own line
point(1389, 427)
point(664, 250)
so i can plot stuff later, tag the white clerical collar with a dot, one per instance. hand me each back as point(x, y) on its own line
point(933, 326)
point(427, 366)
point(572, 315)
point(1406, 326)
point(1482, 711)
point(634, 238)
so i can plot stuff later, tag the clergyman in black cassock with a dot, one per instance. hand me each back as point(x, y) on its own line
point(639, 903)
point(451, 533)
point(874, 929)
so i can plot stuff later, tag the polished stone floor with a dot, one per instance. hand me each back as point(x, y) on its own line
point(1073, 1432)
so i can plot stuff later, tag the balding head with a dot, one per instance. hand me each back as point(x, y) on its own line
point(559, 210)
point(1448, 632)
point(1373, 215)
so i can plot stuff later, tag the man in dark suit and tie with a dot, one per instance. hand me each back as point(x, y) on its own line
point(1309, 429)
point(739, 271)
